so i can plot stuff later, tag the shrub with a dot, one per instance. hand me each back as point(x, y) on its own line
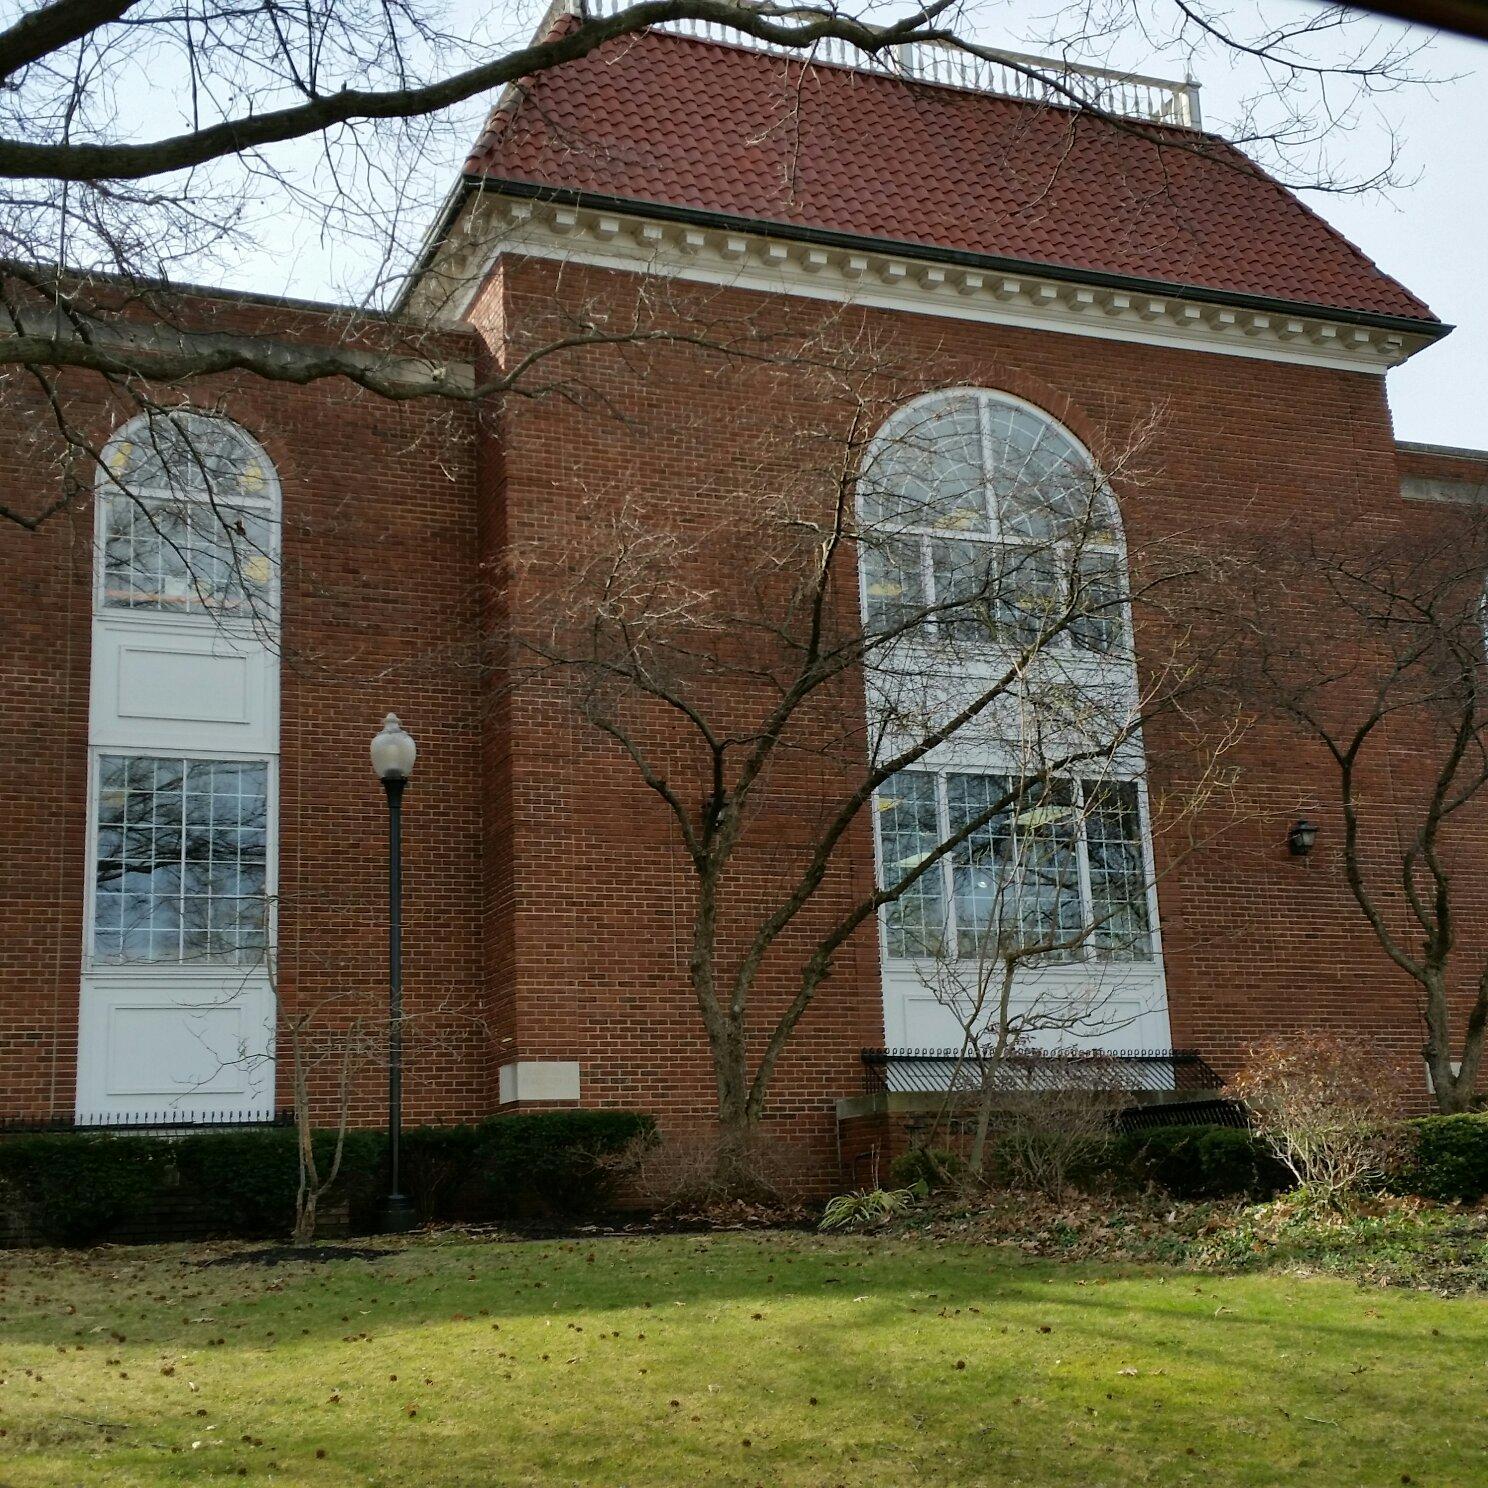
point(553, 1161)
point(1323, 1103)
point(245, 1181)
point(1203, 1162)
point(1446, 1158)
point(686, 1172)
point(927, 1168)
point(439, 1163)
point(869, 1206)
point(68, 1188)
point(1052, 1138)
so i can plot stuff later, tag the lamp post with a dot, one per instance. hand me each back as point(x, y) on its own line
point(393, 754)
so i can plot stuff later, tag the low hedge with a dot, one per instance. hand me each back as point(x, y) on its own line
point(1446, 1158)
point(244, 1182)
point(554, 1161)
point(1202, 1162)
point(70, 1188)
point(551, 1162)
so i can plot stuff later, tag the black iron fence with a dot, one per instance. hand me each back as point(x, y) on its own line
point(1183, 1113)
point(144, 1121)
point(1121, 1071)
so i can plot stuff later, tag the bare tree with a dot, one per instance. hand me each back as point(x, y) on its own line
point(1377, 653)
point(718, 642)
point(1044, 955)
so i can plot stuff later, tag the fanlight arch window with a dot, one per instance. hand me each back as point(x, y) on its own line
point(981, 520)
point(984, 527)
point(189, 505)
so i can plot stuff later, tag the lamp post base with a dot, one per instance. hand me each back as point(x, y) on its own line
point(398, 1215)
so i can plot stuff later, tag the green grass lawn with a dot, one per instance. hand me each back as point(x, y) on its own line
point(738, 1359)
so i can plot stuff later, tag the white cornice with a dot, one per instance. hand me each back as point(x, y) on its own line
point(494, 225)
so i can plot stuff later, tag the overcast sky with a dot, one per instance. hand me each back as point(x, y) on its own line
point(1431, 232)
point(1433, 236)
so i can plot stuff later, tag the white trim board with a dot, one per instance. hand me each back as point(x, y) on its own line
point(494, 226)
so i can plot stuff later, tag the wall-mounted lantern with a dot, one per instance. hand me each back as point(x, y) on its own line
point(1301, 837)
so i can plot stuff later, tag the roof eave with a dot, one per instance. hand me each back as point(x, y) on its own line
point(1430, 328)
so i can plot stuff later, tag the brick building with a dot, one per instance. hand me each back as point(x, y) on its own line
point(189, 809)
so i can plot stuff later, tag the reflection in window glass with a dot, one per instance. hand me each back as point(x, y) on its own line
point(1034, 529)
point(908, 832)
point(187, 517)
point(1118, 879)
point(181, 860)
point(184, 558)
point(1100, 604)
point(1052, 870)
point(895, 585)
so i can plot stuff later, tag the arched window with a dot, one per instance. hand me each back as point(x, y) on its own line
point(984, 529)
point(982, 519)
point(188, 509)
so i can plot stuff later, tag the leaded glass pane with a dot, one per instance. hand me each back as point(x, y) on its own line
point(895, 584)
point(1118, 879)
point(908, 832)
point(181, 855)
point(189, 454)
point(968, 602)
point(1028, 594)
point(1045, 877)
point(1098, 624)
point(927, 470)
point(979, 865)
point(186, 520)
point(180, 558)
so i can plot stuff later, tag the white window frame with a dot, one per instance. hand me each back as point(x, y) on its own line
point(225, 971)
point(264, 609)
point(904, 977)
point(234, 716)
point(994, 538)
point(1083, 954)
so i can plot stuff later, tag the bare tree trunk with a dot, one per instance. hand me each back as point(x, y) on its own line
point(1454, 1090)
point(989, 1066)
point(307, 1193)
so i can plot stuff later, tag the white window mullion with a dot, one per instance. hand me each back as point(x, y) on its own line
point(181, 889)
point(927, 578)
point(1082, 860)
point(984, 428)
point(947, 874)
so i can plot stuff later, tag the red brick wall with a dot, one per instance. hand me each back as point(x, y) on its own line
point(381, 611)
point(1256, 941)
point(43, 791)
point(548, 902)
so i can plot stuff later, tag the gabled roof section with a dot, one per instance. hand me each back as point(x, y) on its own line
point(728, 131)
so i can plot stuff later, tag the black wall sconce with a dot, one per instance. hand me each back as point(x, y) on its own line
point(1301, 837)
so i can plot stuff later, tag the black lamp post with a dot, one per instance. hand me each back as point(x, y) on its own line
point(393, 754)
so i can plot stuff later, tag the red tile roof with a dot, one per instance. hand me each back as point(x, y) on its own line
point(662, 118)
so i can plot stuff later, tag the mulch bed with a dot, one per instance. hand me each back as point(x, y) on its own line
point(276, 1255)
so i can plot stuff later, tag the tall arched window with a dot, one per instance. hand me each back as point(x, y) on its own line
point(176, 1010)
point(987, 532)
point(189, 506)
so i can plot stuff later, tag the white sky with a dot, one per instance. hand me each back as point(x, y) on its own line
point(1431, 232)
point(1433, 237)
